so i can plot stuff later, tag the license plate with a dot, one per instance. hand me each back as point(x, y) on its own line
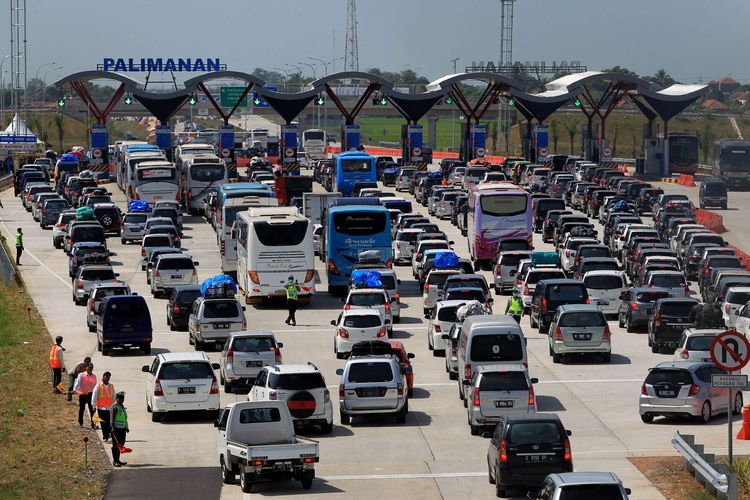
point(186, 390)
point(282, 466)
point(666, 393)
point(582, 336)
point(127, 329)
point(504, 403)
point(603, 302)
point(536, 459)
point(253, 364)
point(371, 392)
point(176, 276)
point(280, 292)
point(157, 197)
point(221, 325)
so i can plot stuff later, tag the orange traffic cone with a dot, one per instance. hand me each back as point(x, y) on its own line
point(745, 430)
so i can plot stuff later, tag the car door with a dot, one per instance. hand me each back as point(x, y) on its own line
point(151, 377)
point(258, 392)
point(742, 324)
point(221, 441)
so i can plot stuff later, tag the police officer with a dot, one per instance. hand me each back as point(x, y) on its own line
point(118, 419)
point(515, 306)
point(19, 245)
point(56, 363)
point(292, 300)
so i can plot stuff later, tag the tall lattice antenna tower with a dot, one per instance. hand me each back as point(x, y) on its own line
point(506, 62)
point(351, 52)
point(18, 54)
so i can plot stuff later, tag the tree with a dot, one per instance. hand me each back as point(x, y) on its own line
point(662, 78)
point(555, 133)
point(60, 129)
point(571, 129)
point(492, 133)
point(706, 137)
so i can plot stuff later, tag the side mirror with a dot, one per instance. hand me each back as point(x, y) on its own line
point(534, 380)
point(196, 263)
point(393, 299)
point(628, 491)
point(689, 283)
point(339, 371)
point(117, 275)
point(216, 422)
point(215, 366)
point(145, 369)
point(486, 434)
point(450, 242)
point(490, 300)
point(445, 336)
point(244, 308)
point(398, 281)
point(410, 355)
point(569, 433)
point(333, 322)
point(111, 254)
point(466, 382)
point(280, 344)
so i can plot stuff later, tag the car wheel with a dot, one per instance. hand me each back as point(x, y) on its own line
point(500, 491)
point(155, 417)
point(460, 393)
point(228, 387)
point(705, 415)
point(655, 348)
point(98, 346)
point(556, 358)
point(738, 402)
point(307, 479)
point(326, 428)
point(246, 481)
point(105, 350)
point(397, 319)
point(401, 416)
point(607, 357)
point(123, 241)
point(647, 419)
point(543, 328)
point(227, 476)
point(146, 349)
point(620, 322)
point(345, 418)
point(532, 322)
point(648, 341)
point(452, 376)
point(628, 325)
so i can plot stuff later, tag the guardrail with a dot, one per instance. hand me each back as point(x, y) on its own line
point(712, 475)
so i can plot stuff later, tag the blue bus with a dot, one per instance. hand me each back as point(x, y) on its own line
point(349, 230)
point(351, 167)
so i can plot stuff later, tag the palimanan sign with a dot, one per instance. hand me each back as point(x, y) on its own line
point(146, 64)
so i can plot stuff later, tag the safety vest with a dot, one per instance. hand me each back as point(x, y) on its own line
point(121, 417)
point(19, 240)
point(291, 292)
point(105, 396)
point(515, 306)
point(54, 356)
point(88, 382)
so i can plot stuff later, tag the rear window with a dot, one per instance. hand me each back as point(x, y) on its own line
point(370, 372)
point(729, 262)
point(434, 246)
point(281, 234)
point(57, 204)
point(363, 321)
point(604, 282)
point(185, 370)
point(510, 245)
point(297, 381)
point(503, 381)
point(662, 376)
point(389, 282)
point(110, 292)
point(84, 251)
point(159, 241)
point(587, 491)
point(221, 309)
point(410, 237)
point(260, 416)
point(567, 293)
point(581, 319)
point(545, 205)
point(512, 260)
point(188, 297)
point(650, 297)
point(128, 309)
point(699, 342)
point(175, 264)
point(438, 279)
point(599, 266)
point(534, 432)
point(457, 294)
point(164, 212)
point(253, 344)
point(668, 280)
point(88, 234)
point(497, 347)
point(738, 297)
point(535, 277)
point(681, 309)
point(97, 274)
point(136, 218)
point(367, 299)
point(466, 282)
point(594, 252)
point(447, 313)
point(575, 244)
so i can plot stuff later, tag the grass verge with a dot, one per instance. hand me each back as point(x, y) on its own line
point(41, 445)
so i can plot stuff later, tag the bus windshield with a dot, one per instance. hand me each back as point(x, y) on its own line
point(359, 223)
point(503, 204)
point(683, 150)
point(314, 135)
point(736, 158)
point(207, 173)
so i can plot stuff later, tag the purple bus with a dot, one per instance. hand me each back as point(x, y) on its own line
point(496, 211)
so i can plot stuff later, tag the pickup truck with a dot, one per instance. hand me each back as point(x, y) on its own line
point(256, 440)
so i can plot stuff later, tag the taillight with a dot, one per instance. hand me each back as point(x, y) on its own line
point(230, 355)
point(543, 308)
point(347, 307)
point(419, 255)
point(341, 391)
point(273, 396)
point(476, 401)
point(222, 248)
point(644, 392)
point(519, 281)
point(400, 389)
point(558, 333)
point(526, 289)
point(253, 276)
point(694, 390)
point(79, 285)
point(326, 395)
point(633, 306)
point(438, 329)
point(277, 355)
point(387, 307)
point(309, 275)
point(157, 274)
point(607, 335)
point(467, 371)
point(568, 456)
point(389, 263)
point(157, 388)
point(398, 298)
point(92, 305)
point(657, 319)
point(426, 287)
point(143, 251)
point(177, 196)
point(588, 300)
point(343, 333)
point(44, 211)
point(684, 354)
point(532, 399)
point(214, 387)
point(503, 451)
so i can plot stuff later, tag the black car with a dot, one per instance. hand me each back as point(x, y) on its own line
point(541, 207)
point(550, 223)
point(667, 322)
point(549, 294)
point(179, 305)
point(713, 193)
point(645, 199)
point(524, 450)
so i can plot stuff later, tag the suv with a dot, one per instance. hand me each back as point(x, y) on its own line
point(98, 292)
point(60, 229)
point(180, 304)
point(213, 320)
point(373, 385)
point(376, 299)
point(108, 215)
point(302, 388)
point(356, 325)
point(498, 390)
point(579, 329)
point(88, 276)
point(86, 252)
point(245, 354)
point(695, 344)
point(524, 449)
point(171, 270)
point(133, 227)
point(713, 193)
point(582, 485)
point(549, 294)
point(50, 210)
point(668, 320)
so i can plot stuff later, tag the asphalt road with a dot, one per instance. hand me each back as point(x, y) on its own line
point(431, 456)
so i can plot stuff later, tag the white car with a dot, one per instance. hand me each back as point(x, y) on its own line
point(357, 325)
point(737, 296)
point(742, 320)
point(569, 250)
point(443, 316)
point(317, 238)
point(181, 381)
point(172, 270)
point(403, 245)
point(604, 289)
point(433, 288)
point(424, 246)
point(695, 344)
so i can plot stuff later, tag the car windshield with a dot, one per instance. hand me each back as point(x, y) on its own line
point(497, 347)
point(568, 293)
point(363, 321)
point(503, 381)
point(603, 282)
point(97, 274)
point(367, 299)
point(221, 309)
point(373, 371)
point(588, 491)
point(185, 370)
point(175, 264)
point(534, 432)
point(715, 189)
point(668, 280)
point(582, 319)
point(667, 376)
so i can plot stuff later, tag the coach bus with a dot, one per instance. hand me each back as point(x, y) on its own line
point(156, 181)
point(351, 167)
point(683, 153)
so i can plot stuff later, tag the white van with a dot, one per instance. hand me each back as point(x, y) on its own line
point(488, 340)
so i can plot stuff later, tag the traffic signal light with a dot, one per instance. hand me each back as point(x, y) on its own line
point(379, 100)
point(257, 101)
point(128, 100)
point(511, 102)
point(577, 103)
point(319, 101)
point(448, 100)
point(192, 100)
point(383, 101)
point(61, 103)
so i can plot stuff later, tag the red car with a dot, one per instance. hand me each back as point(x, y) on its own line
point(387, 347)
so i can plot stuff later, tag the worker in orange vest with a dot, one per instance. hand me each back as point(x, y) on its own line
point(56, 363)
point(84, 387)
point(103, 398)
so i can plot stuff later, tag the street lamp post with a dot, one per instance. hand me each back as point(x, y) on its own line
point(2, 88)
point(315, 77)
point(286, 73)
point(44, 84)
point(325, 67)
point(37, 79)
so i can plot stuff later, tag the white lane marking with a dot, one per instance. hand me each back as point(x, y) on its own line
point(42, 264)
point(426, 475)
point(600, 381)
point(303, 329)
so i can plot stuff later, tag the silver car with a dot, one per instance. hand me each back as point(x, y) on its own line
point(673, 282)
point(133, 227)
point(60, 229)
point(245, 354)
point(98, 292)
point(211, 321)
point(505, 269)
point(442, 318)
point(403, 245)
point(172, 270)
point(39, 199)
point(683, 388)
point(51, 210)
point(88, 276)
point(582, 485)
point(579, 329)
point(444, 207)
point(498, 390)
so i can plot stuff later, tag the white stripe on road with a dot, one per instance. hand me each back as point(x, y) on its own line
point(600, 381)
point(42, 264)
point(426, 475)
point(302, 328)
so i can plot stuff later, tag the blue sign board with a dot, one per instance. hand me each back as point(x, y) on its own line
point(541, 136)
point(146, 64)
point(259, 101)
point(351, 137)
point(164, 137)
point(98, 137)
point(478, 139)
point(415, 136)
point(226, 136)
point(289, 134)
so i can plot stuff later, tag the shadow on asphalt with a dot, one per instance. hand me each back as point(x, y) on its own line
point(420, 393)
point(292, 488)
point(413, 419)
point(185, 483)
point(548, 403)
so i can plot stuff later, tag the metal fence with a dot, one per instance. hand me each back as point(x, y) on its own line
point(712, 475)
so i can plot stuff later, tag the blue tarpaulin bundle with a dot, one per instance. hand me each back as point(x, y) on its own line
point(434, 175)
point(364, 278)
point(71, 158)
point(138, 206)
point(446, 260)
point(218, 286)
point(620, 205)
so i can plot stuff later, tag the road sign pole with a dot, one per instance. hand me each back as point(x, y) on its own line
point(729, 425)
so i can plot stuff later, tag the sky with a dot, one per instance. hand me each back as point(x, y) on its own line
point(694, 40)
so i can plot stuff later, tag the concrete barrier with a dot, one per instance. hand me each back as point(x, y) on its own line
point(686, 180)
point(711, 220)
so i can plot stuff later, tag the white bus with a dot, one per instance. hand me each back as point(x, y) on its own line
point(156, 181)
point(273, 244)
point(131, 161)
point(182, 151)
point(224, 235)
point(200, 174)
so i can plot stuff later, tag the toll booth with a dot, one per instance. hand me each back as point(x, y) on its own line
point(226, 149)
point(540, 140)
point(289, 145)
point(99, 142)
point(478, 140)
point(412, 145)
point(350, 137)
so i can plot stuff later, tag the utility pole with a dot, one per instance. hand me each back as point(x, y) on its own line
point(454, 61)
point(351, 51)
point(506, 62)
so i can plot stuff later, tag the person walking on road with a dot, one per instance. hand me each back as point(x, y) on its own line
point(9, 167)
point(103, 398)
point(515, 306)
point(118, 419)
point(73, 375)
point(292, 300)
point(85, 385)
point(56, 363)
point(19, 246)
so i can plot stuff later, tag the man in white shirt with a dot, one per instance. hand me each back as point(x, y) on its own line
point(103, 398)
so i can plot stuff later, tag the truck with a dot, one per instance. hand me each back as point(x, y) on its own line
point(292, 186)
point(256, 440)
point(731, 162)
point(314, 205)
point(314, 144)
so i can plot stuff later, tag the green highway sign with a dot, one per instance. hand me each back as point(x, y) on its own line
point(229, 96)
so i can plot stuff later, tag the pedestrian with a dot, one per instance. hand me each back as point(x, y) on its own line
point(118, 420)
point(19, 245)
point(292, 293)
point(73, 375)
point(103, 398)
point(85, 385)
point(9, 167)
point(56, 363)
point(514, 306)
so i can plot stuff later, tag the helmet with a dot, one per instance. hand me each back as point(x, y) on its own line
point(256, 161)
point(516, 293)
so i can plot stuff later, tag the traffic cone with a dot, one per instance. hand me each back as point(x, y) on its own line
point(744, 433)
